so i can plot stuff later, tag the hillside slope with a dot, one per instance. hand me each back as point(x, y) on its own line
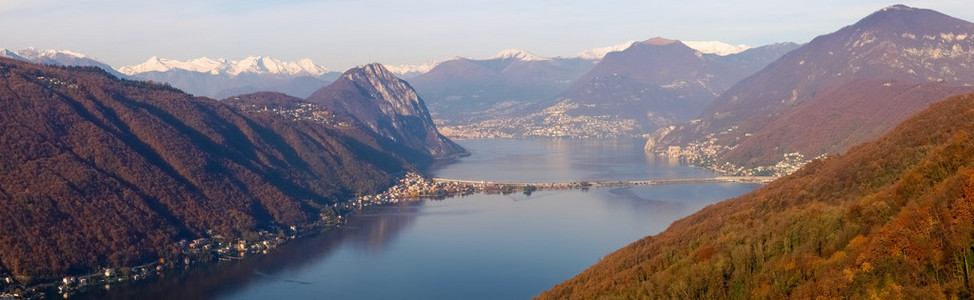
point(891, 218)
point(98, 172)
point(660, 82)
point(839, 90)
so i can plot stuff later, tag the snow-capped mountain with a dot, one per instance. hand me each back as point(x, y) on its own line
point(519, 55)
point(11, 54)
point(57, 57)
point(716, 47)
point(251, 64)
point(407, 71)
point(221, 78)
point(599, 53)
point(712, 47)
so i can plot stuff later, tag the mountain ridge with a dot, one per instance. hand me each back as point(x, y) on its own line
point(893, 46)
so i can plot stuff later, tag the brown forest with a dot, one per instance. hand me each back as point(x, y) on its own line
point(893, 218)
point(101, 172)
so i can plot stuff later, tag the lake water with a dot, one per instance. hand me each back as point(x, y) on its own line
point(475, 247)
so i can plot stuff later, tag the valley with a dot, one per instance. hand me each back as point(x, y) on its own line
point(654, 168)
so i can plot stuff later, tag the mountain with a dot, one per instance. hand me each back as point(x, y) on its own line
point(58, 58)
point(464, 89)
point(377, 99)
point(251, 64)
point(221, 78)
point(837, 91)
point(597, 54)
point(409, 71)
point(892, 218)
point(716, 47)
point(659, 82)
point(98, 172)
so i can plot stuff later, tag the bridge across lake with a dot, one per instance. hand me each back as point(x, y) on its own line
point(609, 183)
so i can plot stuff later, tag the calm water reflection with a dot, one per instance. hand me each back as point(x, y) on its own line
point(558, 160)
point(475, 247)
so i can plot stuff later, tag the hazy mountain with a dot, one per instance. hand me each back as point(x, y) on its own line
point(409, 71)
point(715, 47)
point(892, 218)
point(838, 90)
point(597, 54)
point(221, 78)
point(389, 106)
point(100, 172)
point(58, 58)
point(660, 82)
point(462, 88)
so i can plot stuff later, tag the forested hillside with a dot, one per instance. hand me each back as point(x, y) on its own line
point(101, 172)
point(893, 218)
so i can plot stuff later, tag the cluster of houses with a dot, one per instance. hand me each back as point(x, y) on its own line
point(303, 111)
point(412, 187)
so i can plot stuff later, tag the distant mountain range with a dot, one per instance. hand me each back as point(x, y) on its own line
point(837, 91)
point(659, 82)
point(221, 78)
point(58, 58)
point(630, 92)
point(462, 88)
point(252, 64)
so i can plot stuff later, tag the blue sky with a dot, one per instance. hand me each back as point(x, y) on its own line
point(343, 33)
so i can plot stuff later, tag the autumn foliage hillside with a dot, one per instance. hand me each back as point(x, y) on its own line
point(101, 172)
point(893, 218)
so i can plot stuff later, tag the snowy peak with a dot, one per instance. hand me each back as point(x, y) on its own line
point(412, 70)
point(157, 64)
point(716, 47)
point(519, 55)
point(32, 53)
point(11, 54)
point(250, 65)
point(599, 53)
point(57, 57)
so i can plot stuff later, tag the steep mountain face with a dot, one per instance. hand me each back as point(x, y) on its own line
point(387, 105)
point(660, 82)
point(58, 58)
point(464, 89)
point(893, 218)
point(838, 90)
point(97, 171)
point(221, 78)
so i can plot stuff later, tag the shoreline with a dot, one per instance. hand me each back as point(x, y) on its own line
point(217, 249)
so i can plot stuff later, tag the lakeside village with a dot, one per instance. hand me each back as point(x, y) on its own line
point(216, 247)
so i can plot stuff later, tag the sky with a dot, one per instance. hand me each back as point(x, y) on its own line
point(339, 34)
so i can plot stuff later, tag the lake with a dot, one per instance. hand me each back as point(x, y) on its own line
point(475, 247)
